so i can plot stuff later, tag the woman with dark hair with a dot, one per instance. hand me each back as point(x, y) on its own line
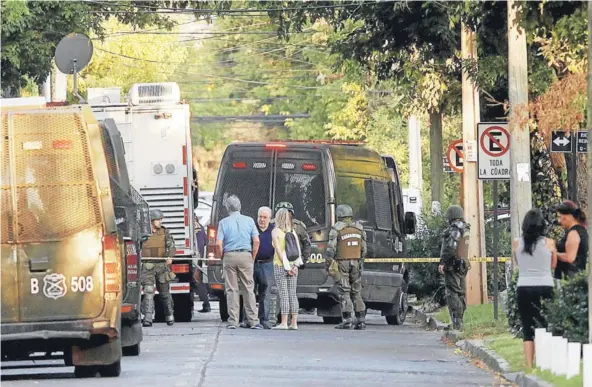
point(573, 247)
point(535, 256)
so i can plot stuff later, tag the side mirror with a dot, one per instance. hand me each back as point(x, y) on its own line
point(410, 223)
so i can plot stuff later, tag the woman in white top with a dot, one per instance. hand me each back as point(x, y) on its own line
point(535, 257)
point(285, 271)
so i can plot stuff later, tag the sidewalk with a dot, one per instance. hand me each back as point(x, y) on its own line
point(489, 341)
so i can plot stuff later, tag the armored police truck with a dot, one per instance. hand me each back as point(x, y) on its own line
point(155, 128)
point(62, 256)
point(133, 225)
point(316, 176)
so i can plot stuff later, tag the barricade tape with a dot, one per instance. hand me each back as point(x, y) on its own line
point(366, 260)
point(423, 260)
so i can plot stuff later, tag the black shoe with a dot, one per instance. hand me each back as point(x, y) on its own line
point(205, 309)
point(146, 324)
point(346, 324)
point(360, 326)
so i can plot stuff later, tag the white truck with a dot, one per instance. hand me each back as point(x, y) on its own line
point(155, 127)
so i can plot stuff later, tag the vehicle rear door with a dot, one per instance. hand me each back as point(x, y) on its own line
point(300, 179)
point(246, 173)
point(61, 252)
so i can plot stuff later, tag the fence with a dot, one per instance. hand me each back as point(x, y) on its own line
point(557, 355)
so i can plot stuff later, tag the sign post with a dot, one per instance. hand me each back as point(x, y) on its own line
point(493, 162)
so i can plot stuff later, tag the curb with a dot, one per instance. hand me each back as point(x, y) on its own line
point(478, 350)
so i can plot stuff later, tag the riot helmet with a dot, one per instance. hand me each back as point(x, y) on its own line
point(453, 213)
point(344, 211)
point(156, 215)
point(287, 205)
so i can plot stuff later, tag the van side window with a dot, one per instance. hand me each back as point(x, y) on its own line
point(352, 191)
point(380, 203)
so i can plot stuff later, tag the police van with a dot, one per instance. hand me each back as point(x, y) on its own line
point(62, 256)
point(316, 176)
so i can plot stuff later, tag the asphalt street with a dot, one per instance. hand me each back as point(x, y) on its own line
point(204, 353)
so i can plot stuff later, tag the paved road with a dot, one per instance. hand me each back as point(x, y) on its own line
point(205, 354)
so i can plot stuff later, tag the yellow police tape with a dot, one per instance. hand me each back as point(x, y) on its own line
point(422, 260)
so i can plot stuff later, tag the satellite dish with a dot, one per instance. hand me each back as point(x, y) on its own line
point(73, 53)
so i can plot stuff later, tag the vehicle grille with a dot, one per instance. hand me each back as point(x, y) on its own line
point(170, 202)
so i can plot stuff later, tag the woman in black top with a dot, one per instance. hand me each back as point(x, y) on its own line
point(572, 249)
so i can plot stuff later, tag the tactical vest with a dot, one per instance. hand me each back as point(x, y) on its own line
point(349, 243)
point(155, 245)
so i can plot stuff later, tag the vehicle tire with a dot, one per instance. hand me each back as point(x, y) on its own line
point(331, 320)
point(401, 315)
point(183, 307)
point(111, 370)
point(132, 350)
point(223, 307)
point(85, 371)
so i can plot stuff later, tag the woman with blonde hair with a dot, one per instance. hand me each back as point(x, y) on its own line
point(286, 261)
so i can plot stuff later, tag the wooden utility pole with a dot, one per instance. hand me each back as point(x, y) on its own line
point(520, 181)
point(436, 153)
point(589, 90)
point(473, 187)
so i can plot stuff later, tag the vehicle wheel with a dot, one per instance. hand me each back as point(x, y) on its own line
point(85, 371)
point(331, 320)
point(223, 307)
point(111, 370)
point(132, 350)
point(183, 307)
point(399, 318)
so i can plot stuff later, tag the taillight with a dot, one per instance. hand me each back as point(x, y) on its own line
point(309, 167)
point(131, 261)
point(111, 264)
point(275, 146)
point(239, 165)
point(211, 248)
point(180, 268)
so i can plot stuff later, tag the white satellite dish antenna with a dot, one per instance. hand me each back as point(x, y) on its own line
point(72, 54)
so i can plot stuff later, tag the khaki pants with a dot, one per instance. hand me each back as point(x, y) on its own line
point(238, 268)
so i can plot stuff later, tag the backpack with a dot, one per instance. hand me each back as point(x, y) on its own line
point(292, 246)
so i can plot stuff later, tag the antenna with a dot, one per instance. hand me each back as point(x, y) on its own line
point(72, 54)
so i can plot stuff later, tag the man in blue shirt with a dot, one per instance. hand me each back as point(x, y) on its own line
point(237, 243)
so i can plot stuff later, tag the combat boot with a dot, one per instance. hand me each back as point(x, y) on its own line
point(346, 323)
point(360, 321)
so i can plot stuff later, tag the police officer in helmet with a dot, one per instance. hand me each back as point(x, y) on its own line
point(345, 251)
point(454, 263)
point(157, 253)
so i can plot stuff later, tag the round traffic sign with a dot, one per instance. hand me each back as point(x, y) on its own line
point(499, 141)
point(454, 154)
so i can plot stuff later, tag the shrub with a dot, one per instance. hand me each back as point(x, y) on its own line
point(514, 323)
point(567, 314)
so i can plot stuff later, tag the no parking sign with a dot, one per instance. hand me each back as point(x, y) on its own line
point(493, 158)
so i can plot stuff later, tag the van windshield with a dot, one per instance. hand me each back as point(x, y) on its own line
point(306, 192)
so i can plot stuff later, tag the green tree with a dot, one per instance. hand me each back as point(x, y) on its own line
point(32, 29)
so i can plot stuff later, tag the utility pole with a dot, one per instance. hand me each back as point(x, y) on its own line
point(589, 90)
point(472, 186)
point(415, 168)
point(520, 184)
point(436, 153)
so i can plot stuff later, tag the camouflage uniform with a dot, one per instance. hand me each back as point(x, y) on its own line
point(454, 258)
point(345, 251)
point(305, 245)
point(157, 273)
